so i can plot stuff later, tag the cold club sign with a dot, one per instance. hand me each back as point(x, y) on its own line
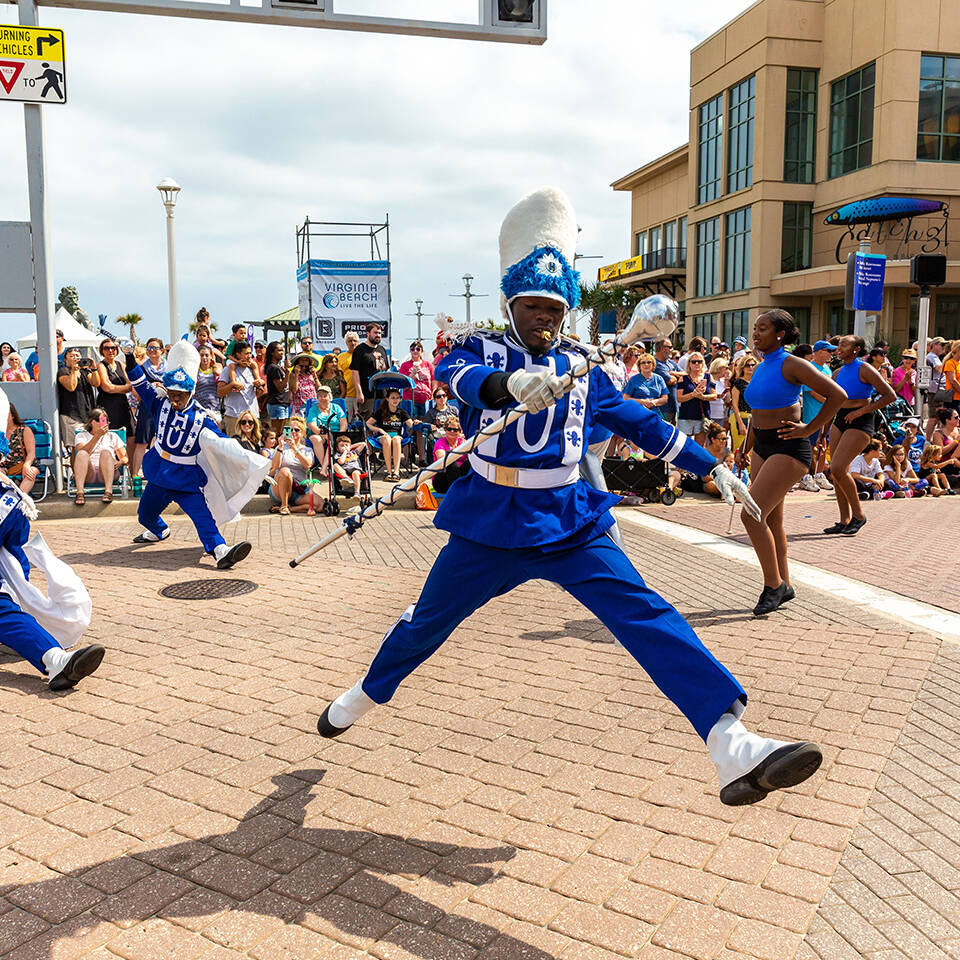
point(340, 295)
point(890, 221)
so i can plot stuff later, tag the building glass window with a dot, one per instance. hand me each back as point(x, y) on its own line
point(796, 245)
point(708, 257)
point(710, 154)
point(654, 260)
point(839, 321)
point(682, 237)
point(736, 323)
point(938, 128)
point(802, 317)
point(944, 317)
point(736, 255)
point(703, 325)
point(740, 138)
point(800, 137)
point(640, 243)
point(670, 244)
point(851, 121)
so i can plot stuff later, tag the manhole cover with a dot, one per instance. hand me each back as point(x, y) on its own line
point(207, 589)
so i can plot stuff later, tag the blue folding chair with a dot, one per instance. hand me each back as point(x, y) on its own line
point(42, 439)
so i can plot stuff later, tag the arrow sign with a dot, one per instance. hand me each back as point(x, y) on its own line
point(49, 40)
point(9, 71)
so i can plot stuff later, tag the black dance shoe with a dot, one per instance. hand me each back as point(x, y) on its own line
point(770, 599)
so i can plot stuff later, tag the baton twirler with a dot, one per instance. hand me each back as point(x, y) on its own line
point(653, 317)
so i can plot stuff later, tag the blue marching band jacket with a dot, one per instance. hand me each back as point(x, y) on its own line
point(525, 489)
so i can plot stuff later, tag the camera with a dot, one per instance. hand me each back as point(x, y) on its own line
point(85, 363)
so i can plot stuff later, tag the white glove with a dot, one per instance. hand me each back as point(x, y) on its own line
point(732, 488)
point(536, 390)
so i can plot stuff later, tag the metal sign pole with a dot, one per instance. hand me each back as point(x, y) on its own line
point(923, 371)
point(46, 326)
point(860, 316)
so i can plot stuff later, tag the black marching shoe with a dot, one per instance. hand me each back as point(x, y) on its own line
point(788, 595)
point(786, 767)
point(326, 729)
point(143, 538)
point(838, 527)
point(854, 526)
point(770, 599)
point(80, 665)
point(239, 551)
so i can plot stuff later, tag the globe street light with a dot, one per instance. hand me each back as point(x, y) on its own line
point(169, 189)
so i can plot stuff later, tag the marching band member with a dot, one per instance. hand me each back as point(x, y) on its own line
point(523, 512)
point(191, 463)
point(33, 625)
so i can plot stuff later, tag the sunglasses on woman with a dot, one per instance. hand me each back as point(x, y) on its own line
point(246, 423)
point(109, 348)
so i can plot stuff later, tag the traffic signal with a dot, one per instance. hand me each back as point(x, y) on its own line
point(517, 11)
point(928, 270)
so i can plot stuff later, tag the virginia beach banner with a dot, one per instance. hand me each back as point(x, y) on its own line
point(337, 296)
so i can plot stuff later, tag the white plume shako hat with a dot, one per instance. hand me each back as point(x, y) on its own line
point(183, 364)
point(538, 241)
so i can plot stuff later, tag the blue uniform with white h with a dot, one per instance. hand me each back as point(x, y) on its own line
point(523, 513)
point(170, 465)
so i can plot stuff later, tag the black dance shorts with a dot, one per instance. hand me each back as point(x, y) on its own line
point(867, 423)
point(766, 443)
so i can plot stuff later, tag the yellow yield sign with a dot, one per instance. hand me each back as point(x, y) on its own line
point(32, 64)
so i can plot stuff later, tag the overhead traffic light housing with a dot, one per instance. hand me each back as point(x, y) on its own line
point(518, 11)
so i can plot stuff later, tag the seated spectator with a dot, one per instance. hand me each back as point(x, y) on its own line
point(292, 459)
point(867, 472)
point(901, 477)
point(440, 412)
point(76, 381)
point(931, 470)
point(912, 442)
point(324, 417)
point(99, 452)
point(13, 371)
point(452, 437)
point(946, 433)
point(270, 442)
point(387, 423)
point(647, 387)
point(717, 445)
point(19, 462)
point(346, 461)
point(247, 433)
point(6, 348)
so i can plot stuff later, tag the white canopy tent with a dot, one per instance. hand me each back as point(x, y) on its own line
point(74, 334)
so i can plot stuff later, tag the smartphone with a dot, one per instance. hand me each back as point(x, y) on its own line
point(286, 432)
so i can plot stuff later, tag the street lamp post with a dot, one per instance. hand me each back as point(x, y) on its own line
point(468, 295)
point(419, 304)
point(169, 190)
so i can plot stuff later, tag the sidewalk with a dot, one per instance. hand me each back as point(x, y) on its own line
point(528, 794)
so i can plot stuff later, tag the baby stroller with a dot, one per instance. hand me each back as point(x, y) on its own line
point(890, 419)
point(336, 487)
point(381, 384)
point(647, 479)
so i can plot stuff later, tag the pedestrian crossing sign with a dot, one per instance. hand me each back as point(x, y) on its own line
point(32, 64)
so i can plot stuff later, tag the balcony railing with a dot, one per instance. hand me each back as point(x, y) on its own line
point(674, 258)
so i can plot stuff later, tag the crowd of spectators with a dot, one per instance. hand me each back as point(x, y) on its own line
point(701, 391)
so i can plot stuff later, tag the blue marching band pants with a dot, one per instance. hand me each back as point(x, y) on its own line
point(602, 578)
point(156, 499)
point(22, 634)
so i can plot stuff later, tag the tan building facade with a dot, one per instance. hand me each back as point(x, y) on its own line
point(797, 108)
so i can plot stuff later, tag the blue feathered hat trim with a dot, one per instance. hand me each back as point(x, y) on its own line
point(544, 272)
point(179, 379)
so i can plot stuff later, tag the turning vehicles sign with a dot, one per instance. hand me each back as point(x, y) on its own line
point(32, 64)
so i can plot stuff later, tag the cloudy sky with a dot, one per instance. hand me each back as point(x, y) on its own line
point(263, 126)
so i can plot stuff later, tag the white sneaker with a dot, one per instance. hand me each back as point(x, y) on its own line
point(809, 484)
point(822, 482)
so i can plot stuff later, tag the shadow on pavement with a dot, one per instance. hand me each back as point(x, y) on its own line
point(271, 851)
point(152, 556)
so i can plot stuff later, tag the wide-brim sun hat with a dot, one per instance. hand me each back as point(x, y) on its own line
point(312, 357)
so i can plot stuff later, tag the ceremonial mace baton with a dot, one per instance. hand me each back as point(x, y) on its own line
point(653, 317)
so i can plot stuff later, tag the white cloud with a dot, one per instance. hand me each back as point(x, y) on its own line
point(265, 125)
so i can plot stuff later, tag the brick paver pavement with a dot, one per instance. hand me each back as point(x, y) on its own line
point(901, 548)
point(528, 794)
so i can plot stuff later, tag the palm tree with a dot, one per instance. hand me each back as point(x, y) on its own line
point(131, 320)
point(192, 327)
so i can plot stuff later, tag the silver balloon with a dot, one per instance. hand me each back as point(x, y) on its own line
point(653, 317)
point(126, 345)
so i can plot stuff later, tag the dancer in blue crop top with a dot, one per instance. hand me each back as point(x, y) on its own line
point(853, 427)
point(777, 444)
